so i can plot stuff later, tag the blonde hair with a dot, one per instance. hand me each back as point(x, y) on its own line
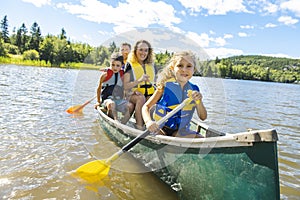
point(132, 55)
point(167, 72)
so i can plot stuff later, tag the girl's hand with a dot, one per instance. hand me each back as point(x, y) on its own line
point(197, 96)
point(152, 126)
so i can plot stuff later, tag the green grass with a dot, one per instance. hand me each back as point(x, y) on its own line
point(18, 60)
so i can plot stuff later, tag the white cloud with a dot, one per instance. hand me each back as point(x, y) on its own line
point(212, 32)
point(270, 25)
point(292, 5)
point(139, 13)
point(265, 7)
point(279, 55)
point(104, 33)
point(228, 36)
point(270, 8)
point(242, 34)
point(247, 27)
point(215, 7)
point(183, 13)
point(38, 3)
point(202, 39)
point(287, 20)
point(220, 41)
point(223, 52)
point(86, 37)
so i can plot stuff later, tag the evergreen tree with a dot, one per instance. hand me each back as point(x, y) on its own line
point(47, 49)
point(63, 34)
point(217, 60)
point(112, 47)
point(35, 38)
point(4, 34)
point(19, 39)
point(24, 32)
point(22, 38)
point(13, 37)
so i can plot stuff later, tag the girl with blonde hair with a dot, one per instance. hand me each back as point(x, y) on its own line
point(173, 84)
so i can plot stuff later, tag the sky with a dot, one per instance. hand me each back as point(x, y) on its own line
point(222, 28)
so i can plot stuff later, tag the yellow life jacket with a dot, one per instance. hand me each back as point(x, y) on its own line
point(145, 88)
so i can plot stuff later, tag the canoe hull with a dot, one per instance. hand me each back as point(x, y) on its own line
point(207, 169)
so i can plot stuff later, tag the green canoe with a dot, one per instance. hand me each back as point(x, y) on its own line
point(219, 166)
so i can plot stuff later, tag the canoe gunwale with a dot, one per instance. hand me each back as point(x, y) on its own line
point(223, 140)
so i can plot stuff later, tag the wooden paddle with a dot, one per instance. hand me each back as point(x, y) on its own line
point(77, 109)
point(96, 170)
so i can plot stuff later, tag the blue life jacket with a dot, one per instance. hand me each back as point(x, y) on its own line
point(173, 95)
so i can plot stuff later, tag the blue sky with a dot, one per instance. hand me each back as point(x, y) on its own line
point(222, 28)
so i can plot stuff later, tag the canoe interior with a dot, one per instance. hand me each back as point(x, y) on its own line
point(249, 171)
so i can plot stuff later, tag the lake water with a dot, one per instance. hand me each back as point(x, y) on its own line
point(40, 143)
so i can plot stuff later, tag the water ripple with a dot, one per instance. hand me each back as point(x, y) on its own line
point(40, 143)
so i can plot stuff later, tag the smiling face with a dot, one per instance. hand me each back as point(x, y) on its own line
point(142, 52)
point(184, 70)
point(125, 49)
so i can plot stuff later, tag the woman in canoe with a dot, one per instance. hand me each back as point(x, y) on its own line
point(172, 88)
point(139, 76)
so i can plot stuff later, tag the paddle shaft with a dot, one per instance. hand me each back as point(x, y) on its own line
point(141, 136)
point(86, 103)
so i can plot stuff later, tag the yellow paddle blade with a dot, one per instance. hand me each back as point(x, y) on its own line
point(93, 171)
point(75, 109)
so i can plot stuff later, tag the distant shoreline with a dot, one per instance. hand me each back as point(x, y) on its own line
point(83, 66)
point(38, 63)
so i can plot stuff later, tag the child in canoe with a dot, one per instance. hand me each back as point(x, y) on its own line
point(110, 91)
point(172, 88)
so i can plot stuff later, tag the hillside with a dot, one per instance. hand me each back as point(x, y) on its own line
point(254, 67)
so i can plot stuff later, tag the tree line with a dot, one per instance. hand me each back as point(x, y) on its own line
point(31, 45)
point(255, 67)
point(58, 50)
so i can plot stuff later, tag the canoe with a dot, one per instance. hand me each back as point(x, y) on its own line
point(219, 166)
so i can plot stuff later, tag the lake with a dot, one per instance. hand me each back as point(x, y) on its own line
point(40, 143)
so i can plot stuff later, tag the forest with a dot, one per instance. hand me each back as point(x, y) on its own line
point(28, 47)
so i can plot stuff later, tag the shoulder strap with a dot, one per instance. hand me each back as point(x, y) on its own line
point(109, 73)
point(121, 73)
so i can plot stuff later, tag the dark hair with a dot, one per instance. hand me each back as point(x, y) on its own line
point(126, 44)
point(150, 56)
point(117, 57)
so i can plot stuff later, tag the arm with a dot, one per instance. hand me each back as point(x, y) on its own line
point(127, 77)
point(99, 89)
point(127, 84)
point(131, 84)
point(151, 125)
point(201, 110)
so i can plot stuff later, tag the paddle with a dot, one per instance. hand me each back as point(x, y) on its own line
point(96, 170)
point(77, 109)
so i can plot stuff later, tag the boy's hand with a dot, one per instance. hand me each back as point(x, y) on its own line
point(97, 104)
